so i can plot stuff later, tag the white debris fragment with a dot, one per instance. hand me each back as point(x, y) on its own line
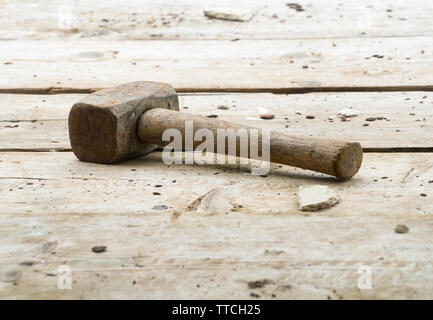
point(349, 112)
point(261, 110)
point(213, 202)
point(263, 114)
point(230, 14)
point(316, 197)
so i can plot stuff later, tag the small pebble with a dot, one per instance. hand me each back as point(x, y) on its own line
point(401, 228)
point(99, 249)
point(160, 207)
point(267, 116)
point(370, 119)
point(295, 6)
point(423, 195)
point(212, 116)
point(310, 117)
point(223, 107)
point(258, 283)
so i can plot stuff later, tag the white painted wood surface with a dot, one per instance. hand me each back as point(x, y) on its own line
point(184, 19)
point(383, 183)
point(66, 207)
point(43, 126)
point(246, 65)
point(54, 208)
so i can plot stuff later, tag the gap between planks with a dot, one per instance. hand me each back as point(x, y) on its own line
point(219, 66)
point(300, 90)
point(365, 150)
point(43, 126)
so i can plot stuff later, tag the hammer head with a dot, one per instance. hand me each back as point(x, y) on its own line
point(103, 126)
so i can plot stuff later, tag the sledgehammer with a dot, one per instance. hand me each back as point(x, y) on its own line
point(127, 121)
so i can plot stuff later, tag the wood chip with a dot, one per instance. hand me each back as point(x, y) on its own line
point(229, 14)
point(267, 116)
point(316, 197)
point(349, 112)
point(223, 107)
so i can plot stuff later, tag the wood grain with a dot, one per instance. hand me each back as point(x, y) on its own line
point(283, 66)
point(205, 232)
point(183, 19)
point(55, 209)
point(409, 114)
point(63, 183)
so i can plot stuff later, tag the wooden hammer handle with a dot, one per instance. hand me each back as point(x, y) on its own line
point(337, 158)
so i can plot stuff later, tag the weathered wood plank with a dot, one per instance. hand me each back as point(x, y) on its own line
point(387, 185)
point(216, 257)
point(59, 208)
point(55, 208)
point(153, 19)
point(409, 114)
point(283, 66)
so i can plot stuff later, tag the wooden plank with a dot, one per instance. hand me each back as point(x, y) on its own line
point(42, 118)
point(251, 65)
point(55, 208)
point(59, 208)
point(184, 19)
point(75, 182)
point(215, 258)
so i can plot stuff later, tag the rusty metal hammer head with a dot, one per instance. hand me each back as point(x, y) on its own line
point(103, 126)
